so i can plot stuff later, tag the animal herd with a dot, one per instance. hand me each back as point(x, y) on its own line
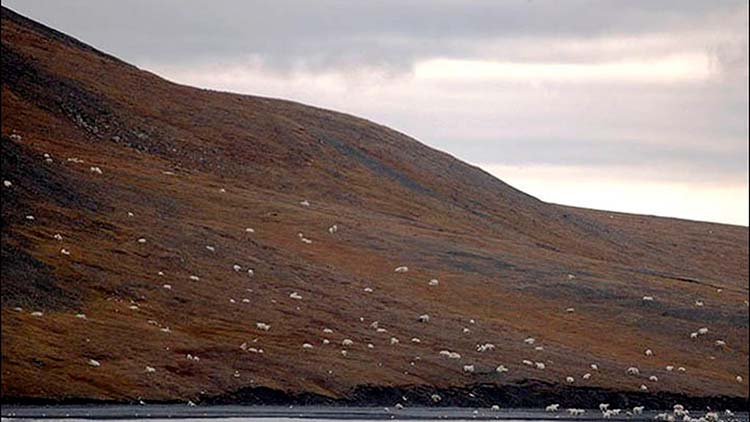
point(467, 367)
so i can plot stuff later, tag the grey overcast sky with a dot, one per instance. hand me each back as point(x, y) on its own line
point(637, 106)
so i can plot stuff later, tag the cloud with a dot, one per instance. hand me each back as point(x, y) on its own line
point(390, 34)
point(668, 70)
point(630, 190)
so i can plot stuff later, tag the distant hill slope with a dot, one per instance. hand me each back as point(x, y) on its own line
point(142, 204)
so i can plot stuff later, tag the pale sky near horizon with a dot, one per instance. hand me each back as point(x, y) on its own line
point(635, 106)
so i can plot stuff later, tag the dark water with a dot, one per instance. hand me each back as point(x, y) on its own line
point(182, 413)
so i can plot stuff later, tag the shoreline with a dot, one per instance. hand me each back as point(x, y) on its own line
point(183, 412)
point(525, 395)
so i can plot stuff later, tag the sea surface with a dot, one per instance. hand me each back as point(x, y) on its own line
point(182, 413)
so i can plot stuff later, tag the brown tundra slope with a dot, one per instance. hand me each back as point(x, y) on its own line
point(147, 250)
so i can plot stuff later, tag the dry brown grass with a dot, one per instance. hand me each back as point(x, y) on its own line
point(502, 257)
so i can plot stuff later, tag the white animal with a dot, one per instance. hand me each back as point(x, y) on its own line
point(648, 298)
point(7, 183)
point(450, 355)
point(576, 412)
point(649, 352)
point(150, 369)
point(424, 318)
point(347, 342)
point(305, 203)
point(36, 313)
point(738, 378)
point(495, 408)
point(720, 343)
point(552, 408)
point(540, 365)
point(711, 416)
point(569, 380)
point(679, 410)
point(295, 295)
point(236, 267)
point(603, 406)
point(263, 326)
point(142, 240)
point(469, 368)
point(433, 282)
point(586, 376)
point(402, 269)
point(333, 229)
point(81, 316)
point(638, 410)
point(653, 378)
point(501, 369)
point(210, 248)
point(58, 236)
point(96, 170)
point(485, 347)
point(703, 331)
point(95, 363)
point(669, 368)
point(530, 340)
point(594, 366)
point(307, 346)
point(394, 340)
point(633, 371)
point(64, 251)
point(194, 278)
